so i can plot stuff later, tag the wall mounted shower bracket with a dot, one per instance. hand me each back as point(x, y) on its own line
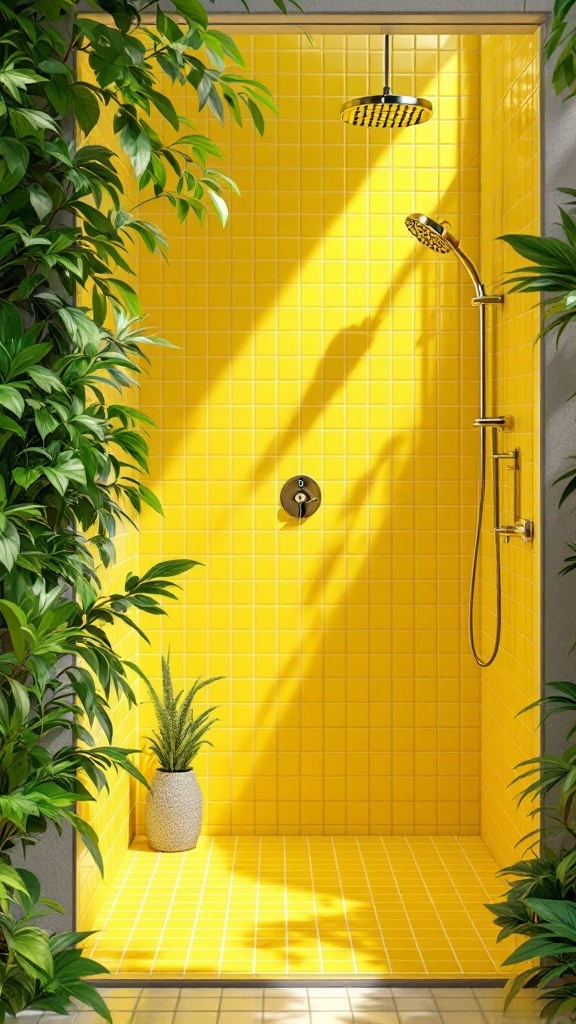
point(487, 300)
point(523, 528)
point(504, 422)
point(514, 456)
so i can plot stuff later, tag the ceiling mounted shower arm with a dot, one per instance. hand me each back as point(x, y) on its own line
point(387, 89)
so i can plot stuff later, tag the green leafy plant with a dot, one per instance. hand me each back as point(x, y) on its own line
point(540, 903)
point(73, 453)
point(36, 968)
point(561, 44)
point(180, 736)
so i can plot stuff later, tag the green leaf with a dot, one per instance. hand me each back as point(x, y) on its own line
point(86, 107)
point(150, 499)
point(16, 621)
point(165, 106)
point(21, 699)
point(32, 951)
point(40, 200)
point(128, 295)
point(25, 476)
point(193, 10)
point(220, 207)
point(256, 115)
point(173, 567)
point(13, 164)
point(10, 426)
point(80, 327)
point(12, 400)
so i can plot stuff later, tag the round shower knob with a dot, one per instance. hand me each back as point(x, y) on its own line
point(300, 497)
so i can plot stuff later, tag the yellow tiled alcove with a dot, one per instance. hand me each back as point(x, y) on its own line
point(315, 336)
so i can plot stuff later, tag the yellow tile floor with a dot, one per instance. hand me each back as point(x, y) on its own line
point(304, 907)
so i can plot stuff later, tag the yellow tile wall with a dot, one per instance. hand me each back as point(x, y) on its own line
point(315, 335)
point(510, 203)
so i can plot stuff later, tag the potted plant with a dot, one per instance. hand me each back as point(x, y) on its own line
point(174, 800)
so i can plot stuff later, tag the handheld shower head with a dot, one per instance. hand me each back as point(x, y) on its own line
point(435, 236)
point(431, 233)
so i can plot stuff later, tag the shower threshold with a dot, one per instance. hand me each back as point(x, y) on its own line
point(311, 908)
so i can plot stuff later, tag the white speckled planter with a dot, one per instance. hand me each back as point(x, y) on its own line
point(173, 811)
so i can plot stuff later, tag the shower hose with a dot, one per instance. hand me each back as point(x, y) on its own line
point(475, 558)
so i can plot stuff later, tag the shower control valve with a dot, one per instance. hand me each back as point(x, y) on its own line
point(300, 497)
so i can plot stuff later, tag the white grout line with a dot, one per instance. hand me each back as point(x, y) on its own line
point(489, 897)
point(374, 908)
point(286, 910)
point(101, 930)
point(145, 895)
point(168, 913)
point(404, 908)
point(227, 916)
point(257, 909)
point(344, 908)
point(431, 898)
point(198, 909)
point(315, 905)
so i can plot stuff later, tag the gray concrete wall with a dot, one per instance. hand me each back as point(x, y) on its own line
point(558, 429)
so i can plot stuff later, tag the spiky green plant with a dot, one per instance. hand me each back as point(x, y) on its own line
point(180, 735)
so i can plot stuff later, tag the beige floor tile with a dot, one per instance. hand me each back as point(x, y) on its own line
point(122, 991)
point(118, 1017)
point(115, 1002)
point(402, 992)
point(329, 1003)
point(200, 992)
point(456, 1002)
point(193, 1016)
point(286, 990)
point(372, 1002)
point(416, 1003)
point(419, 1016)
point(57, 1019)
point(375, 1017)
point(242, 992)
point(456, 992)
point(285, 1003)
point(198, 1002)
point(500, 1018)
point(243, 1004)
point(240, 1017)
point(151, 1002)
point(286, 1017)
point(152, 1017)
point(327, 990)
point(331, 1017)
point(161, 991)
point(462, 1017)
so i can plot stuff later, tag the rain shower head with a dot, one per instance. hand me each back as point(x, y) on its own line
point(388, 110)
point(434, 235)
